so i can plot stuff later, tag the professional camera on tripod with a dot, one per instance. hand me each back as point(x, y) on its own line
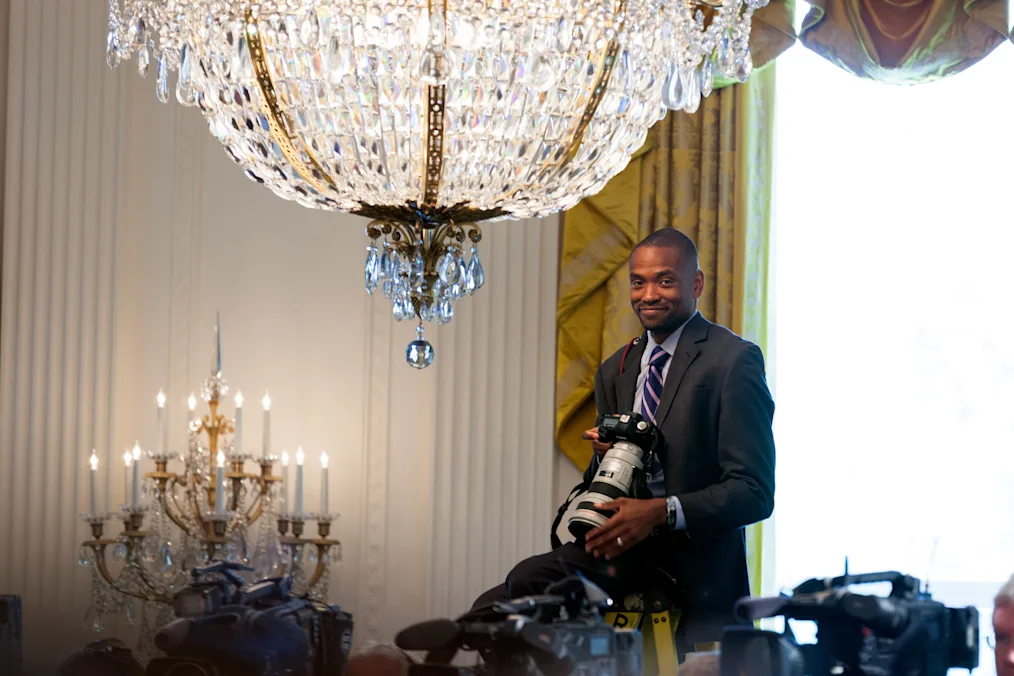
point(559, 633)
point(621, 473)
point(227, 629)
point(903, 634)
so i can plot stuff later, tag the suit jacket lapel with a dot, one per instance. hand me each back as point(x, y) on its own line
point(694, 332)
point(626, 383)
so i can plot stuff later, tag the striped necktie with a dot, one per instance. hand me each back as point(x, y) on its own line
point(653, 384)
point(649, 405)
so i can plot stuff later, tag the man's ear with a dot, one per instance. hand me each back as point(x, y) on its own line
point(698, 283)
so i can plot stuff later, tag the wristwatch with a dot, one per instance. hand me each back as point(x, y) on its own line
point(671, 507)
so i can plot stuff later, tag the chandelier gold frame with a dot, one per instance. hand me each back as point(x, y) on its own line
point(428, 214)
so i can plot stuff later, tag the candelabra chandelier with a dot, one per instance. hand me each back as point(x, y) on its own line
point(425, 114)
point(212, 510)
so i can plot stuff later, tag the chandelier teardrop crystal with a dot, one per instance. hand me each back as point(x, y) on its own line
point(429, 116)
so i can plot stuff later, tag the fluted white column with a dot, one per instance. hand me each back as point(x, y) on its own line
point(493, 486)
point(60, 254)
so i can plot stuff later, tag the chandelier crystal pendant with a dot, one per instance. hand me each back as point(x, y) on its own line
point(429, 116)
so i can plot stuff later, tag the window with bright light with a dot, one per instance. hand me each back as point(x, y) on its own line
point(893, 328)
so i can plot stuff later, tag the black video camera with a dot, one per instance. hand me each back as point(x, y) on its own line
point(903, 634)
point(559, 633)
point(227, 629)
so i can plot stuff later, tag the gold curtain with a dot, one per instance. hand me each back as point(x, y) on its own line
point(905, 41)
point(679, 161)
point(708, 174)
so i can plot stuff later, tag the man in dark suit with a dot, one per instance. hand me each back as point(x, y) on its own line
point(704, 387)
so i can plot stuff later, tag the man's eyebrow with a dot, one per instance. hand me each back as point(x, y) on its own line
point(659, 273)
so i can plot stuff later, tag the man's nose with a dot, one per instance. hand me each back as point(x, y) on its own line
point(1007, 655)
point(650, 293)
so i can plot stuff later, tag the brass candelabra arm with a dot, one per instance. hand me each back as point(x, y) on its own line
point(264, 482)
point(322, 547)
point(293, 544)
point(256, 508)
point(99, 548)
point(170, 504)
point(135, 540)
point(237, 484)
point(194, 502)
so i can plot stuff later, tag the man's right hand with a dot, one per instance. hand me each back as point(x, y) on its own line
point(599, 447)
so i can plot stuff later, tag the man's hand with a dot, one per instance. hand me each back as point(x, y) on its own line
point(592, 435)
point(632, 521)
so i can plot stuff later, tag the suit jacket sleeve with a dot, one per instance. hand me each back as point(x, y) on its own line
point(602, 406)
point(745, 491)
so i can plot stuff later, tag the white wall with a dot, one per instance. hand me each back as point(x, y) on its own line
point(126, 228)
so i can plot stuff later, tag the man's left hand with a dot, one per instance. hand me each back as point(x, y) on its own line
point(632, 522)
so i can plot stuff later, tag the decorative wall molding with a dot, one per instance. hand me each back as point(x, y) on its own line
point(185, 266)
point(61, 249)
point(125, 228)
point(377, 364)
point(493, 490)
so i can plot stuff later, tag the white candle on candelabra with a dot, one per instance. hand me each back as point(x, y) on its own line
point(136, 494)
point(220, 484)
point(267, 425)
point(94, 461)
point(237, 442)
point(191, 405)
point(160, 399)
point(126, 477)
point(285, 479)
point(323, 483)
point(299, 481)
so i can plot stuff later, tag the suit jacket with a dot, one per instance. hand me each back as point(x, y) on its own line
point(715, 414)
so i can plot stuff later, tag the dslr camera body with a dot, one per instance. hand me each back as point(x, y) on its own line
point(225, 628)
point(906, 633)
point(559, 633)
point(622, 471)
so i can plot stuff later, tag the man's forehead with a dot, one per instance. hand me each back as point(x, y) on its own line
point(655, 257)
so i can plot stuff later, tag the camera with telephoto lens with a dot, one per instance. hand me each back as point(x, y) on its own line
point(906, 633)
point(559, 633)
point(622, 471)
point(227, 628)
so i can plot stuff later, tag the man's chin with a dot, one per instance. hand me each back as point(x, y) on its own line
point(655, 323)
point(663, 324)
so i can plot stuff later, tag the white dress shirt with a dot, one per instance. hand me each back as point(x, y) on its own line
point(656, 478)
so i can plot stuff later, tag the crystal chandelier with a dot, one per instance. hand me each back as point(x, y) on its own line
point(429, 116)
point(213, 509)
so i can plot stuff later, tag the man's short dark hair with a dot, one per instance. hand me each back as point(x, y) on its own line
point(1005, 597)
point(672, 238)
